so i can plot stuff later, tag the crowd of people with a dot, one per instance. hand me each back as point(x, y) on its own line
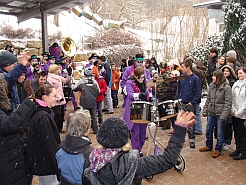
point(33, 105)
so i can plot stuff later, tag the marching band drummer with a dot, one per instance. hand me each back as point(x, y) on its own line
point(136, 90)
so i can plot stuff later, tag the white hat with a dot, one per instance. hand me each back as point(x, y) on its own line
point(175, 73)
point(175, 62)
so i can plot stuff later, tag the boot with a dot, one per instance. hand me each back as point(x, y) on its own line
point(240, 156)
point(235, 153)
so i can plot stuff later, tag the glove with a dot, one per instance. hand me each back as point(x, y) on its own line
point(142, 96)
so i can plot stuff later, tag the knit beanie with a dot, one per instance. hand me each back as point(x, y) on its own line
point(7, 58)
point(113, 133)
point(153, 72)
point(88, 72)
point(95, 70)
point(231, 54)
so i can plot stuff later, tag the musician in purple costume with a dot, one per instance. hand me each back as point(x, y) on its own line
point(136, 91)
point(51, 60)
point(33, 67)
point(55, 50)
point(130, 70)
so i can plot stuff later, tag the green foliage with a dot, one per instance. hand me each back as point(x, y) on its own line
point(235, 28)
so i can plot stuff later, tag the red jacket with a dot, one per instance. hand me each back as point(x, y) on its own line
point(103, 88)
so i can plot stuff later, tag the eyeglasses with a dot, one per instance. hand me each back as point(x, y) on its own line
point(141, 77)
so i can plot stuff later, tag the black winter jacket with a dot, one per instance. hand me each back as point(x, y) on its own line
point(43, 140)
point(12, 167)
point(127, 169)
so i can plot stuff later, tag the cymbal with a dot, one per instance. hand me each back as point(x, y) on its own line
point(153, 81)
point(174, 79)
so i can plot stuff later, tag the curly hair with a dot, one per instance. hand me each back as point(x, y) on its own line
point(78, 123)
point(4, 100)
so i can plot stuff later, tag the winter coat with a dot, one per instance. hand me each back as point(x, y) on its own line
point(211, 68)
point(90, 91)
point(115, 79)
point(108, 75)
point(57, 82)
point(103, 88)
point(11, 78)
point(150, 69)
point(12, 165)
point(129, 72)
point(219, 101)
point(43, 140)
point(239, 99)
point(233, 77)
point(171, 90)
point(24, 90)
point(126, 168)
point(55, 51)
point(73, 159)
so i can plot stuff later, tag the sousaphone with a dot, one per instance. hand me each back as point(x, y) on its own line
point(68, 46)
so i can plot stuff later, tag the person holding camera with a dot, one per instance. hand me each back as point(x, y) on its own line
point(55, 80)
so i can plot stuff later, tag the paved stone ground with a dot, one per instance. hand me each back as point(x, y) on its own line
point(200, 169)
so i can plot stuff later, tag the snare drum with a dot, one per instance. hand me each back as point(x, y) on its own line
point(167, 109)
point(140, 112)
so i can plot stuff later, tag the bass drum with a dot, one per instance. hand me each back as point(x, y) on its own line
point(167, 109)
point(140, 112)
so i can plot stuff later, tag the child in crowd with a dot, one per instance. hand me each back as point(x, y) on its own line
point(115, 85)
point(103, 88)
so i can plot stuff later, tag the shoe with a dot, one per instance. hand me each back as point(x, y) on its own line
point(192, 145)
point(170, 133)
point(109, 112)
point(104, 110)
point(204, 149)
point(240, 156)
point(146, 138)
point(60, 131)
point(226, 146)
point(77, 108)
point(196, 133)
point(115, 106)
point(141, 154)
point(236, 152)
point(215, 154)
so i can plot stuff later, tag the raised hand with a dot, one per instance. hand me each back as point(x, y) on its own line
point(186, 118)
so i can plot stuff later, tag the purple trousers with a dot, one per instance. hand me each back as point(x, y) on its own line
point(138, 135)
point(73, 99)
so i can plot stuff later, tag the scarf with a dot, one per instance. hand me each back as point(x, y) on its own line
point(100, 157)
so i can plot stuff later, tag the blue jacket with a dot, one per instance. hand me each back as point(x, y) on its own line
point(189, 89)
point(11, 78)
point(108, 76)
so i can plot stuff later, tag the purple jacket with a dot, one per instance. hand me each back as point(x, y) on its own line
point(56, 53)
point(129, 99)
point(89, 65)
point(128, 72)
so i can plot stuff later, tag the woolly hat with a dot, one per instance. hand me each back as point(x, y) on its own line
point(88, 72)
point(230, 69)
point(231, 54)
point(95, 70)
point(113, 133)
point(7, 58)
point(153, 72)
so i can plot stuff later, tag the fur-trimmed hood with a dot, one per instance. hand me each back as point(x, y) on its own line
point(231, 70)
point(4, 100)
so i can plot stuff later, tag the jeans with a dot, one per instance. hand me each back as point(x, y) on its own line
point(114, 95)
point(198, 125)
point(213, 121)
point(108, 100)
point(191, 130)
point(99, 109)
